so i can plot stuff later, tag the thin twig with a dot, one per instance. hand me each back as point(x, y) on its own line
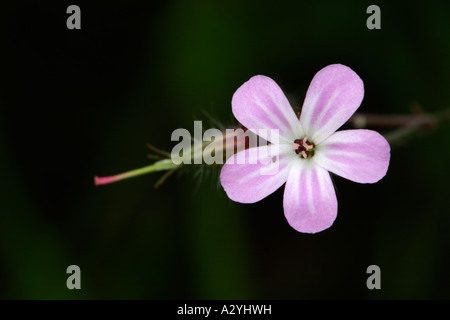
point(164, 178)
point(165, 154)
point(363, 120)
point(407, 125)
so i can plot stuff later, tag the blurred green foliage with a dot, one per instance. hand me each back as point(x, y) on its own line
point(79, 103)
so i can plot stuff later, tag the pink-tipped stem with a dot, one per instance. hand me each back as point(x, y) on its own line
point(161, 165)
point(106, 180)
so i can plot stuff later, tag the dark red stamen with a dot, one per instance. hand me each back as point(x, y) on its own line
point(303, 146)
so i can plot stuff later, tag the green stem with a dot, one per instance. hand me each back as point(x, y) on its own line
point(161, 165)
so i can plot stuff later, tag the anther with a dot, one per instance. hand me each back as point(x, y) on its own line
point(303, 147)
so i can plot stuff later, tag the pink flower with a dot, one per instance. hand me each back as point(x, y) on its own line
point(309, 148)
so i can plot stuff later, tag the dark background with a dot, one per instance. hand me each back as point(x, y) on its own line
point(80, 103)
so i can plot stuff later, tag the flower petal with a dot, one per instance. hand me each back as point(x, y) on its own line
point(260, 104)
point(333, 96)
point(262, 174)
point(358, 155)
point(310, 203)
